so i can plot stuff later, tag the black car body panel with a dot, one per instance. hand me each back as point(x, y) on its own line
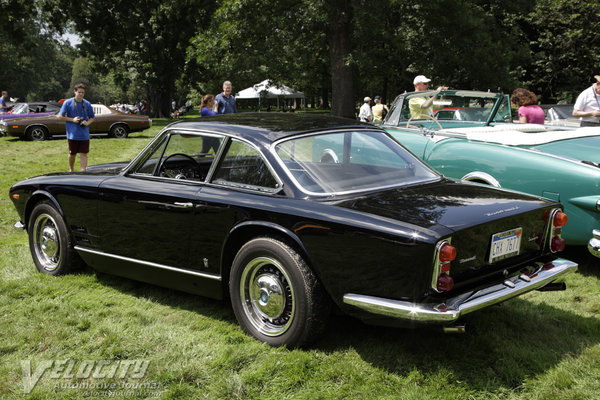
point(138, 222)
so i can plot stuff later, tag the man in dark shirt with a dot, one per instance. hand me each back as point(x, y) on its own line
point(226, 101)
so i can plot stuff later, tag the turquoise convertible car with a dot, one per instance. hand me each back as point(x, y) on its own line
point(470, 135)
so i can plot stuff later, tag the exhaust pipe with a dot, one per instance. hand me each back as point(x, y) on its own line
point(456, 328)
point(553, 286)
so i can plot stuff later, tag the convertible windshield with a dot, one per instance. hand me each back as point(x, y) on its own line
point(449, 107)
point(344, 162)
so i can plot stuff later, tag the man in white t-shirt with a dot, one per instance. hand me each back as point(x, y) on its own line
point(365, 114)
point(587, 106)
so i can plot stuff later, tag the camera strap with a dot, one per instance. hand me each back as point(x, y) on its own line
point(82, 108)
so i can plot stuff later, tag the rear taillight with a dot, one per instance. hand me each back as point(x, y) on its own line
point(558, 220)
point(445, 253)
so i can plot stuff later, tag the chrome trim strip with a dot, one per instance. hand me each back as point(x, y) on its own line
point(460, 305)
point(437, 265)
point(150, 264)
point(594, 243)
point(490, 180)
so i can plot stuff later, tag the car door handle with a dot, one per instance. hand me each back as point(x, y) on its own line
point(184, 205)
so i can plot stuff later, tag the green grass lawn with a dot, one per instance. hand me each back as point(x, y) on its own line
point(544, 345)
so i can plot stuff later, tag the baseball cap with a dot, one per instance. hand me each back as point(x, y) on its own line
point(367, 99)
point(597, 77)
point(421, 79)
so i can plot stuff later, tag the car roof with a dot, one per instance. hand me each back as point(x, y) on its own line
point(269, 127)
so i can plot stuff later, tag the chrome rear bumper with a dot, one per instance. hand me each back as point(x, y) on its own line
point(454, 308)
point(594, 244)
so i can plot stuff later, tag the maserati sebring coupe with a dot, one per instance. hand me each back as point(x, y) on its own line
point(288, 215)
point(471, 136)
point(108, 122)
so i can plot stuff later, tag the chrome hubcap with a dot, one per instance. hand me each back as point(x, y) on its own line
point(37, 134)
point(267, 296)
point(46, 242)
point(120, 132)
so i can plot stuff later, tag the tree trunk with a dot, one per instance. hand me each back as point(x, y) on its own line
point(158, 105)
point(340, 46)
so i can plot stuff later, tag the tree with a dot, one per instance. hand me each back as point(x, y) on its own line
point(34, 62)
point(564, 45)
point(144, 46)
point(252, 40)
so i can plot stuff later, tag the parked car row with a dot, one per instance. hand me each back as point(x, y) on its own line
point(108, 122)
point(476, 140)
point(287, 215)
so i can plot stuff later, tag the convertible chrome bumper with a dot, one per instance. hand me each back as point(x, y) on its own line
point(594, 244)
point(465, 303)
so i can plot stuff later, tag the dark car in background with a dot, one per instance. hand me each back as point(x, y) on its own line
point(108, 122)
point(285, 215)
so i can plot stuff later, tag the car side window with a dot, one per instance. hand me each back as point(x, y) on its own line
point(242, 166)
point(182, 156)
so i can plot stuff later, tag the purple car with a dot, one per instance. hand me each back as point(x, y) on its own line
point(37, 109)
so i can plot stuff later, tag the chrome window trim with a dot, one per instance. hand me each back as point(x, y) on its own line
point(238, 185)
point(437, 176)
point(150, 264)
point(158, 141)
point(217, 160)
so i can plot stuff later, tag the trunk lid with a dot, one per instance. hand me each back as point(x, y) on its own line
point(475, 215)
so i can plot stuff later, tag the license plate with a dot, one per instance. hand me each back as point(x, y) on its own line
point(505, 244)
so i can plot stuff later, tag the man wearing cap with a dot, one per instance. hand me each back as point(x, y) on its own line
point(378, 110)
point(365, 114)
point(587, 106)
point(422, 107)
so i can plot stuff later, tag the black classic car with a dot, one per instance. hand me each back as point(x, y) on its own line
point(290, 214)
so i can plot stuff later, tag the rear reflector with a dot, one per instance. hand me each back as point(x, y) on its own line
point(445, 283)
point(557, 244)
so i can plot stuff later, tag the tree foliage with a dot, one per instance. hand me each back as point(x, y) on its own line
point(140, 45)
point(35, 65)
point(564, 43)
point(329, 49)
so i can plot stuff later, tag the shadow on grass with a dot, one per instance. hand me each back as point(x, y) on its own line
point(588, 264)
point(505, 345)
point(217, 309)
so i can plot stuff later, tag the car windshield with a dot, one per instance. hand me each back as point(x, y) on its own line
point(20, 108)
point(561, 111)
point(448, 108)
point(349, 161)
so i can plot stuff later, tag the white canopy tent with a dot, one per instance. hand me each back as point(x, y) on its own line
point(267, 89)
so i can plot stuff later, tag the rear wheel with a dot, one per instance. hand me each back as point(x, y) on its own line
point(275, 296)
point(119, 132)
point(37, 133)
point(50, 242)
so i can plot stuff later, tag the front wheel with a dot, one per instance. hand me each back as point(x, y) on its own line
point(50, 242)
point(119, 132)
point(275, 296)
